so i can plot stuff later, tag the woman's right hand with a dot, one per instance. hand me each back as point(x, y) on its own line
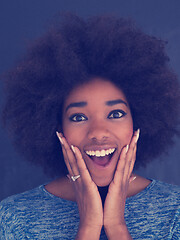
point(86, 193)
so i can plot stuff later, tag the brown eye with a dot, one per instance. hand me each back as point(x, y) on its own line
point(78, 118)
point(116, 114)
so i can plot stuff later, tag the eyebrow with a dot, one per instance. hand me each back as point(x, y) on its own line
point(114, 102)
point(76, 104)
point(83, 104)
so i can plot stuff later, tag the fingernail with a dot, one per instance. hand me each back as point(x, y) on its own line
point(132, 179)
point(127, 147)
point(60, 139)
point(73, 148)
point(137, 136)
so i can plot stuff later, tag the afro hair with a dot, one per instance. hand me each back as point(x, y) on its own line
point(71, 53)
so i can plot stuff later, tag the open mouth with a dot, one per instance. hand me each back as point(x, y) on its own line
point(101, 158)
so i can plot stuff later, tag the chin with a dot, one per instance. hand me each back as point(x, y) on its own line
point(103, 181)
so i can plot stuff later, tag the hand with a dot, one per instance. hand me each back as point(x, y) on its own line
point(86, 192)
point(115, 201)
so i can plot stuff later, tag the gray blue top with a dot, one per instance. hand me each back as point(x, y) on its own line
point(153, 213)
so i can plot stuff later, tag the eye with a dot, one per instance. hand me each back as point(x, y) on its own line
point(78, 117)
point(116, 114)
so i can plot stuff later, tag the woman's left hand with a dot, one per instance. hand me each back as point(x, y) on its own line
point(114, 206)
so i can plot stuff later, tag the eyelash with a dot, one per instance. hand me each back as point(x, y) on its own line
point(77, 115)
point(73, 118)
point(117, 111)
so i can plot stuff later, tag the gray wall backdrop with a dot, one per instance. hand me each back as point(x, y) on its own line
point(24, 20)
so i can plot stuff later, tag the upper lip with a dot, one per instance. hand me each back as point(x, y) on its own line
point(99, 148)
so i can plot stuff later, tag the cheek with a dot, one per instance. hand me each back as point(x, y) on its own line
point(124, 132)
point(68, 133)
point(73, 134)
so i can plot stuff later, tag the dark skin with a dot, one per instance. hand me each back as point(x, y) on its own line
point(99, 123)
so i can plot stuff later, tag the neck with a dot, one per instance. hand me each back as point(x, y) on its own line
point(63, 188)
point(103, 193)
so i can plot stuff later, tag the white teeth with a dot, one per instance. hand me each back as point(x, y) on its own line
point(101, 153)
point(98, 153)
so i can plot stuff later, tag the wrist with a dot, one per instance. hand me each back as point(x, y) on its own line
point(118, 230)
point(88, 233)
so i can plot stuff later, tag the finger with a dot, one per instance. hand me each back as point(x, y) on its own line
point(127, 159)
point(83, 171)
point(132, 162)
point(133, 143)
point(64, 154)
point(69, 156)
point(131, 154)
point(132, 178)
point(67, 162)
point(120, 169)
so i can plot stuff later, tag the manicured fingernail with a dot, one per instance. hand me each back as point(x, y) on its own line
point(137, 136)
point(132, 179)
point(73, 148)
point(60, 139)
point(127, 147)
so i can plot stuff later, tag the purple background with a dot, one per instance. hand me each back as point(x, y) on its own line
point(24, 20)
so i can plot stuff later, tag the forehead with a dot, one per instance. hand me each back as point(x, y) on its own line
point(97, 89)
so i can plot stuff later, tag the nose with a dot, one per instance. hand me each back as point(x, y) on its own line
point(98, 131)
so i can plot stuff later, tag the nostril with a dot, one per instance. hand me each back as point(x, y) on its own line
point(98, 132)
point(98, 135)
point(99, 138)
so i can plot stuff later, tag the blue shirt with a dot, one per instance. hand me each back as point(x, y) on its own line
point(153, 213)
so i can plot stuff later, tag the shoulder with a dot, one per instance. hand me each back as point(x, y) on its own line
point(22, 197)
point(155, 211)
point(14, 208)
point(32, 208)
point(22, 201)
point(36, 200)
point(163, 193)
point(168, 204)
point(18, 202)
point(158, 195)
point(166, 190)
point(32, 211)
point(157, 199)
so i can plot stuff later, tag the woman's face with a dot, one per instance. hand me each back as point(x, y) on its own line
point(97, 119)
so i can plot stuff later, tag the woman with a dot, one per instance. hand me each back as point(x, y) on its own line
point(97, 84)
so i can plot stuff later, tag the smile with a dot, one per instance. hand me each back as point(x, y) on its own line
point(101, 153)
point(102, 157)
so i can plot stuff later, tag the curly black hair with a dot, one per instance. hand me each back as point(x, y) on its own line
point(72, 52)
